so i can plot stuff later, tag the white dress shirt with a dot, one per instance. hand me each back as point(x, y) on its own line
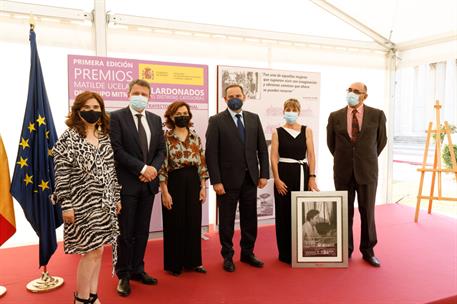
point(233, 113)
point(144, 121)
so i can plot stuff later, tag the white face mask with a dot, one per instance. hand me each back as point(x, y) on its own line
point(138, 102)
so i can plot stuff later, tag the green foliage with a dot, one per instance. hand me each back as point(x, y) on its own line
point(446, 154)
point(452, 128)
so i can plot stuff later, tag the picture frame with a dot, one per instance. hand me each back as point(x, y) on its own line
point(319, 229)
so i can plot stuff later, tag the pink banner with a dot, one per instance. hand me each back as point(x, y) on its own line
point(169, 82)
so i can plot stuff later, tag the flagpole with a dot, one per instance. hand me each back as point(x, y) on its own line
point(45, 282)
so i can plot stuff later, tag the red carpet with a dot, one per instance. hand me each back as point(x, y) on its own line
point(419, 265)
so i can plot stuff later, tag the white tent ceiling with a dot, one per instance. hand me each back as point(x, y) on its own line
point(400, 20)
point(407, 19)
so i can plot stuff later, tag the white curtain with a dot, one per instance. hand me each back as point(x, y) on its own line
point(417, 90)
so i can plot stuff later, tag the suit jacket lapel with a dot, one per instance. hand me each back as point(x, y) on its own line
point(151, 129)
point(248, 123)
point(343, 118)
point(131, 126)
point(229, 122)
point(366, 117)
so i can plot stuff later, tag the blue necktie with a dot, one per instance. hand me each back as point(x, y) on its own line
point(240, 126)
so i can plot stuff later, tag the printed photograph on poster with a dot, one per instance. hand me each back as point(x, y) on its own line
point(319, 229)
point(249, 80)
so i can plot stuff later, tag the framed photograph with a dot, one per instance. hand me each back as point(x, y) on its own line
point(319, 229)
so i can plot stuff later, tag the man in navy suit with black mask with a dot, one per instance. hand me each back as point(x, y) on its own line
point(237, 160)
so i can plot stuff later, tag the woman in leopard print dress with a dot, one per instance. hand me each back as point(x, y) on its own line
point(88, 191)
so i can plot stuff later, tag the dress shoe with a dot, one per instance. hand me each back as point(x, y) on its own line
point(174, 273)
point(144, 278)
point(200, 269)
point(123, 287)
point(251, 260)
point(285, 260)
point(372, 260)
point(228, 265)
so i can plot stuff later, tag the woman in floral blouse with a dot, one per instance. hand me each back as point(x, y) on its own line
point(182, 183)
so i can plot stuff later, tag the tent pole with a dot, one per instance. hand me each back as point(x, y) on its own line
point(378, 38)
point(100, 25)
point(391, 73)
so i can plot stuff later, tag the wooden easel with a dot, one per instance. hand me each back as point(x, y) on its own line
point(436, 169)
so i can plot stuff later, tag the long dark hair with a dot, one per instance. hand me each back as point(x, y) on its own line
point(74, 120)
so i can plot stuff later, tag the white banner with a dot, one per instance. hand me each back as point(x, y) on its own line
point(266, 90)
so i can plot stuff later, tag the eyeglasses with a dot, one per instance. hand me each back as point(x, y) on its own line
point(355, 91)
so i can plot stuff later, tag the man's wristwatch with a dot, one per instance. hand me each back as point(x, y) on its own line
point(312, 175)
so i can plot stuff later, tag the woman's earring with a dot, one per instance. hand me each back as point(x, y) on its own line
point(99, 126)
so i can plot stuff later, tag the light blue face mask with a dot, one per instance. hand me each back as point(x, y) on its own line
point(291, 117)
point(138, 102)
point(352, 99)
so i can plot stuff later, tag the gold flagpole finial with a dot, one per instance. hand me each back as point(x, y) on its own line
point(32, 22)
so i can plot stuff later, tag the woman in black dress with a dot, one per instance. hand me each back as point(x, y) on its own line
point(293, 163)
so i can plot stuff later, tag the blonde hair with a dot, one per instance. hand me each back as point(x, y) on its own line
point(292, 103)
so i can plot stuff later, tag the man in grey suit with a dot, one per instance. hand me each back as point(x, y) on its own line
point(235, 149)
point(356, 135)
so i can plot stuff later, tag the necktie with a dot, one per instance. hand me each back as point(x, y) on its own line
point(143, 138)
point(355, 127)
point(240, 126)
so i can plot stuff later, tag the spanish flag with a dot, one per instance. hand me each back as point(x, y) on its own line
point(7, 222)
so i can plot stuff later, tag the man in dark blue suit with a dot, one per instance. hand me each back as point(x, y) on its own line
point(139, 151)
point(237, 160)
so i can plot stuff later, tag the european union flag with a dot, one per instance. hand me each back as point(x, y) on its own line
point(33, 178)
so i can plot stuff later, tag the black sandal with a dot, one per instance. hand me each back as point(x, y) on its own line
point(84, 301)
point(93, 297)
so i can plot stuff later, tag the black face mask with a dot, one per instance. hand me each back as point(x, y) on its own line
point(90, 116)
point(182, 121)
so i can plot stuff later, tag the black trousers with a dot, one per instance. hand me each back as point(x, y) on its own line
point(134, 222)
point(366, 196)
point(283, 224)
point(182, 224)
point(247, 197)
point(290, 175)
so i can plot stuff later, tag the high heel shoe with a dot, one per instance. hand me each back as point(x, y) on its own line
point(83, 301)
point(200, 269)
point(174, 273)
point(93, 297)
